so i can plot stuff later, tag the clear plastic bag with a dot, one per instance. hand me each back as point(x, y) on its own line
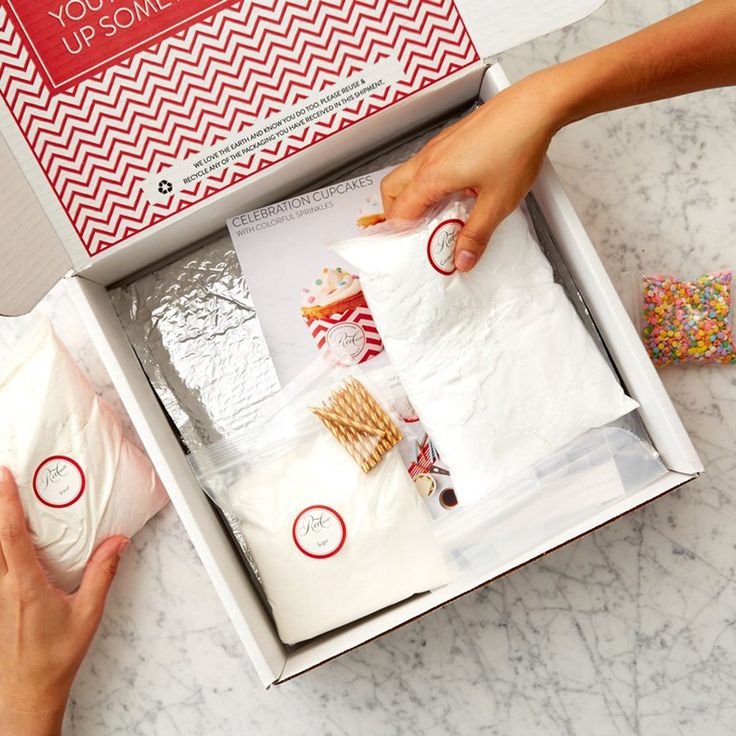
point(496, 361)
point(80, 479)
point(591, 473)
point(687, 320)
point(332, 542)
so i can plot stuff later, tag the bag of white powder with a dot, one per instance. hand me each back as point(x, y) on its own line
point(331, 542)
point(496, 362)
point(80, 480)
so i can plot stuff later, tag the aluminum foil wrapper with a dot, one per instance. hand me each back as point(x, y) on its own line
point(196, 334)
point(193, 327)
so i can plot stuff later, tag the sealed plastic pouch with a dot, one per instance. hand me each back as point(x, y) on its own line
point(545, 502)
point(688, 320)
point(80, 479)
point(496, 361)
point(333, 542)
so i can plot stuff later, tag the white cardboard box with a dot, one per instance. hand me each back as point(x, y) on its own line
point(38, 257)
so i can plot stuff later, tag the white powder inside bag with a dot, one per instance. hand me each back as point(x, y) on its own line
point(80, 480)
point(496, 362)
point(332, 543)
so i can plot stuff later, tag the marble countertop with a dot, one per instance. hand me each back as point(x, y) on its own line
point(631, 630)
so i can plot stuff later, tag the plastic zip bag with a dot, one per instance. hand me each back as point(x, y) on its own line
point(332, 543)
point(496, 361)
point(589, 474)
point(687, 320)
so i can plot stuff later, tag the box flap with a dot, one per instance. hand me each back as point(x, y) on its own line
point(32, 256)
point(129, 117)
point(271, 79)
point(500, 25)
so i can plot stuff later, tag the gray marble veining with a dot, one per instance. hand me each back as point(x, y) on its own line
point(631, 630)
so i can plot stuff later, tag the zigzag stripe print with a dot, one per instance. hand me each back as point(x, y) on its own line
point(98, 140)
point(361, 342)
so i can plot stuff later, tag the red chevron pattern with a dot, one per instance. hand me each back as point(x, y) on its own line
point(97, 141)
point(352, 334)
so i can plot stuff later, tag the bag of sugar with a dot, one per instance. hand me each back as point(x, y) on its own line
point(495, 361)
point(333, 540)
point(80, 480)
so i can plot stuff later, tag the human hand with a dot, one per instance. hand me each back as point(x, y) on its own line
point(494, 153)
point(44, 632)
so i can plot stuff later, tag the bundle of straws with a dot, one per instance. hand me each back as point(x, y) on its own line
point(359, 423)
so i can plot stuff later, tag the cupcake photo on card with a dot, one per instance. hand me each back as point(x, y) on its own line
point(369, 212)
point(337, 316)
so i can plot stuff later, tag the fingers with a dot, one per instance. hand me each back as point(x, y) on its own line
point(425, 189)
point(474, 237)
point(401, 183)
point(100, 573)
point(17, 555)
point(395, 182)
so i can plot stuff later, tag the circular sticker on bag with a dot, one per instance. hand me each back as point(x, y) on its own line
point(59, 481)
point(319, 532)
point(346, 339)
point(441, 246)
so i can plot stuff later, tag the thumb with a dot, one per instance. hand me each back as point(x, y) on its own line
point(474, 237)
point(100, 572)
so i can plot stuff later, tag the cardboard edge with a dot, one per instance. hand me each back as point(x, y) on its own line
point(32, 255)
point(65, 237)
point(218, 557)
point(289, 675)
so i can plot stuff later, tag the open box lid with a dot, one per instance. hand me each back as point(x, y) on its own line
point(64, 207)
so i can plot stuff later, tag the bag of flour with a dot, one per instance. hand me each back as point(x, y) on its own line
point(496, 362)
point(80, 480)
point(331, 541)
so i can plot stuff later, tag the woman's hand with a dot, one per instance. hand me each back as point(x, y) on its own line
point(44, 633)
point(495, 153)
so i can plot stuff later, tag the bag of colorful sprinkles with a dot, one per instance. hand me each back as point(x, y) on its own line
point(688, 321)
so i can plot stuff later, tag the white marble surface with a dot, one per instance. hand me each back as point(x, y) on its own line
point(631, 630)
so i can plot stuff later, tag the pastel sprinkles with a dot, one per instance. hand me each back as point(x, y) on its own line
point(689, 321)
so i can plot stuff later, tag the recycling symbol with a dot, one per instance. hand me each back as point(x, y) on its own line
point(165, 187)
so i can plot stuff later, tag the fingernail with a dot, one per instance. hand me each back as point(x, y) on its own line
point(123, 546)
point(4, 474)
point(465, 260)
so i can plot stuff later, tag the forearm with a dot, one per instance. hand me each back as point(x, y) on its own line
point(38, 723)
point(690, 51)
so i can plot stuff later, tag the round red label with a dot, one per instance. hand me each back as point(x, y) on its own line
point(441, 246)
point(319, 532)
point(59, 481)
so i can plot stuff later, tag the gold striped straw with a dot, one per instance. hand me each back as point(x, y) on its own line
point(359, 424)
point(346, 421)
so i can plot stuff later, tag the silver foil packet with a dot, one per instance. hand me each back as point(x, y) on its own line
point(193, 327)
